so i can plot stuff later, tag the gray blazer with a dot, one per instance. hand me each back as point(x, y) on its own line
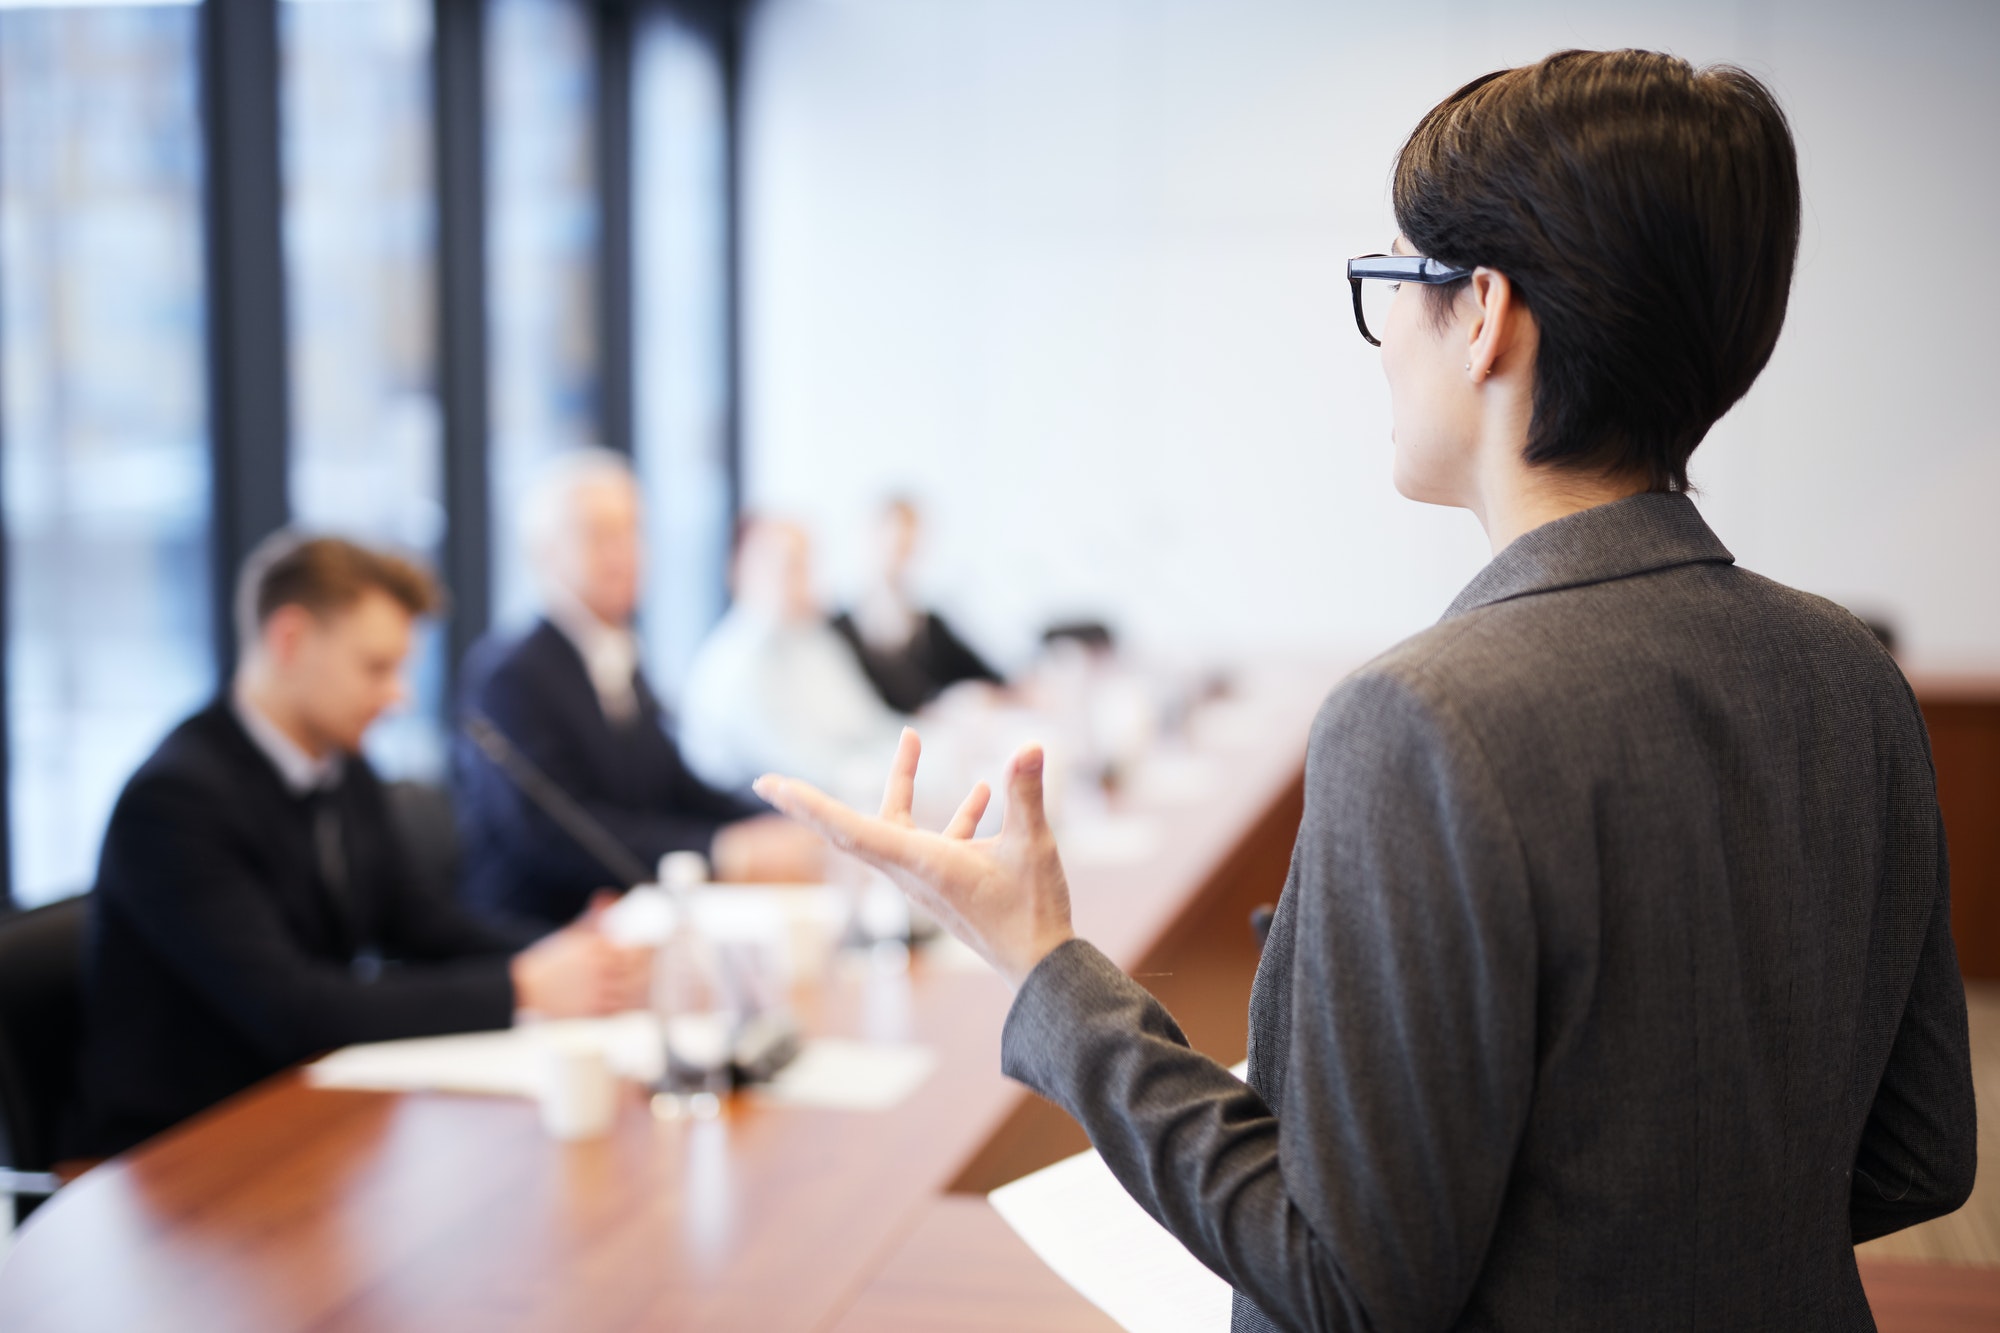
point(1612, 986)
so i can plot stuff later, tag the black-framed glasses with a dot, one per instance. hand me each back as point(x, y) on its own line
point(1375, 279)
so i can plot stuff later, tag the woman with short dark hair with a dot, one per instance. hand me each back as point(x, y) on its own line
point(1613, 983)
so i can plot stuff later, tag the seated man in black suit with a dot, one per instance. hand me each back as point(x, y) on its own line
point(254, 906)
point(569, 697)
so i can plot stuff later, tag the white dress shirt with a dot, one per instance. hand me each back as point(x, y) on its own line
point(772, 696)
point(610, 654)
point(301, 772)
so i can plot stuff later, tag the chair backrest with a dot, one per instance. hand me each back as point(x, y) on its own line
point(41, 1026)
point(428, 827)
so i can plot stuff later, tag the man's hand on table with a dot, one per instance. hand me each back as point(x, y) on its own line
point(768, 849)
point(580, 972)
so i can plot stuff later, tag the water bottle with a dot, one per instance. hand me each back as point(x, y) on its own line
point(698, 1011)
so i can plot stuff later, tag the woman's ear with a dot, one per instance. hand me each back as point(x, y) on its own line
point(1491, 331)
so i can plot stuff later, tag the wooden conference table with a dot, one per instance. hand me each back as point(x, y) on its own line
point(294, 1208)
point(291, 1208)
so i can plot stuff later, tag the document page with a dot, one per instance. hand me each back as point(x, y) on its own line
point(1079, 1221)
point(828, 1073)
point(503, 1063)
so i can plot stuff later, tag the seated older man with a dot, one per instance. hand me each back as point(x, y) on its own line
point(569, 698)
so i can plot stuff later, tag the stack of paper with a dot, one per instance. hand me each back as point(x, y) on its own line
point(827, 1073)
point(851, 1075)
point(505, 1063)
point(1079, 1221)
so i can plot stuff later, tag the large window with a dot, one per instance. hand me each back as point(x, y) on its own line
point(541, 260)
point(365, 273)
point(360, 238)
point(104, 415)
point(681, 334)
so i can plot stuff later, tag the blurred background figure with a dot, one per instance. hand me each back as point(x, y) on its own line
point(255, 903)
point(570, 698)
point(907, 650)
point(775, 688)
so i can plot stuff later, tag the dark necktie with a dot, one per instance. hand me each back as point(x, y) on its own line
point(330, 854)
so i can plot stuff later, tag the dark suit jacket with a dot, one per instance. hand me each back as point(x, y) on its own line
point(934, 659)
point(1612, 986)
point(629, 778)
point(218, 956)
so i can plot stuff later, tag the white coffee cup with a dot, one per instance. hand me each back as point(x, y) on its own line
point(578, 1092)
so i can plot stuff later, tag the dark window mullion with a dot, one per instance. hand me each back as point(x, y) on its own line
point(460, 91)
point(247, 346)
point(614, 26)
point(730, 30)
point(6, 751)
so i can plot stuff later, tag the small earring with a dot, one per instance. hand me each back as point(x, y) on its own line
point(1468, 367)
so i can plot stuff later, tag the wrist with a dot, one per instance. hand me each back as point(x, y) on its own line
point(521, 972)
point(725, 852)
point(1044, 945)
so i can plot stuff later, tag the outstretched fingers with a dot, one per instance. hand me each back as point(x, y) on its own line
point(876, 841)
point(901, 791)
point(1025, 814)
point(970, 811)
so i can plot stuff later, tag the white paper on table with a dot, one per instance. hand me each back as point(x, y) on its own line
point(799, 923)
point(1174, 779)
point(1111, 840)
point(504, 1063)
point(1079, 1221)
point(829, 1073)
point(839, 1075)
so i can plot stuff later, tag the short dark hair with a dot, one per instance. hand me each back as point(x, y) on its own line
point(325, 574)
point(1646, 213)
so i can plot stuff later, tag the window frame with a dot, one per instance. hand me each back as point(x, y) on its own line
point(247, 352)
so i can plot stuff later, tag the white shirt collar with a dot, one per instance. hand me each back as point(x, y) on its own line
point(300, 771)
point(885, 619)
point(610, 653)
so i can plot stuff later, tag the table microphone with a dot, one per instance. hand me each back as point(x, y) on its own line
point(553, 801)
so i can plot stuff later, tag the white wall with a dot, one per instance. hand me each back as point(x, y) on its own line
point(1071, 269)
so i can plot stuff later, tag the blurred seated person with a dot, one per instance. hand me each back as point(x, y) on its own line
point(570, 697)
point(910, 654)
point(254, 903)
point(774, 688)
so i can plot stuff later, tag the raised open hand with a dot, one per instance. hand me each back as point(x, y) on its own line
point(1005, 897)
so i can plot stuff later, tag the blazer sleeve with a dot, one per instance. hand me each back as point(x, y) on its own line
point(1365, 1196)
point(190, 888)
point(1919, 1146)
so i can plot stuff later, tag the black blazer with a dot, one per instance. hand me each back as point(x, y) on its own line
point(217, 955)
point(629, 778)
point(911, 676)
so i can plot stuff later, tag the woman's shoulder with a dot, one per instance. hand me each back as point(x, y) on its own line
point(1600, 654)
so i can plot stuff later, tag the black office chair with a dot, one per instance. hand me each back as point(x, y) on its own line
point(428, 826)
point(41, 1026)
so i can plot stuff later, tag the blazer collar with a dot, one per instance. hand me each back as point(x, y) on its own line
point(1636, 535)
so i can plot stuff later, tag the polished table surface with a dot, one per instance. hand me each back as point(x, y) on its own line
point(291, 1208)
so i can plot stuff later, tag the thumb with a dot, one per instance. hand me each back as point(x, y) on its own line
point(1024, 794)
point(600, 903)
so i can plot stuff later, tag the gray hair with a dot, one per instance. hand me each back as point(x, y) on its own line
point(547, 509)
